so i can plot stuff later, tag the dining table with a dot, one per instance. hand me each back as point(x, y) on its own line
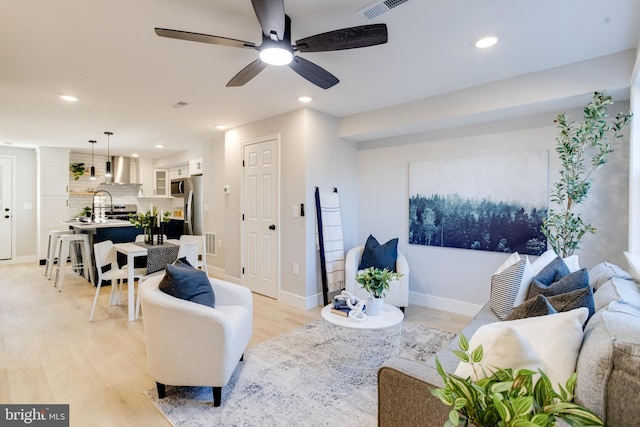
point(158, 255)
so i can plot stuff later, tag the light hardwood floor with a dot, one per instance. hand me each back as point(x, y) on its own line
point(51, 353)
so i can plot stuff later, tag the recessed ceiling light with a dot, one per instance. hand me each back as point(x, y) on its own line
point(135, 155)
point(221, 127)
point(68, 98)
point(159, 146)
point(304, 99)
point(486, 42)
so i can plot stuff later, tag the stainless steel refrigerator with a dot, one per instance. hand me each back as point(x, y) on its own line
point(193, 220)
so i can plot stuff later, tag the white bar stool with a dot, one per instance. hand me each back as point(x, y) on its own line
point(52, 250)
point(73, 242)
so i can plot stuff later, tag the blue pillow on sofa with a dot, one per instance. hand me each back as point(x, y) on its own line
point(183, 281)
point(379, 256)
point(553, 272)
point(576, 280)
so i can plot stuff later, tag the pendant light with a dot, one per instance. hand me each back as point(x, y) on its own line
point(93, 169)
point(108, 173)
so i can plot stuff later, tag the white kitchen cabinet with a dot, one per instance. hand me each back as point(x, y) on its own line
point(155, 181)
point(181, 171)
point(195, 167)
point(161, 183)
point(53, 194)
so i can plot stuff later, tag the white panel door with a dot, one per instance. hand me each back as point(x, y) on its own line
point(260, 226)
point(6, 210)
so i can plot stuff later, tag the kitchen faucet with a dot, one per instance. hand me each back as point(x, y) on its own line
point(93, 203)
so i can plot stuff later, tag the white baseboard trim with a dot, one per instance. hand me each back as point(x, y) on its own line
point(215, 271)
point(21, 260)
point(445, 304)
point(302, 303)
point(232, 279)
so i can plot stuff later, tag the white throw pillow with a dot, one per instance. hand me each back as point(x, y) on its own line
point(512, 259)
point(555, 339)
point(510, 284)
point(572, 263)
point(543, 260)
point(503, 347)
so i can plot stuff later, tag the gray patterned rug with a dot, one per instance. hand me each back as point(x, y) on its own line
point(285, 382)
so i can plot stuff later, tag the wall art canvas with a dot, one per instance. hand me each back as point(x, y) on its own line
point(491, 203)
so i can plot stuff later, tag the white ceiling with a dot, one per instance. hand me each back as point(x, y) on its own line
point(106, 53)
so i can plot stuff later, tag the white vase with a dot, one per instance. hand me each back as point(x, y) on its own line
point(374, 306)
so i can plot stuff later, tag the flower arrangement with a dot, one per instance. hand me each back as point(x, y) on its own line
point(376, 281)
point(149, 220)
point(508, 398)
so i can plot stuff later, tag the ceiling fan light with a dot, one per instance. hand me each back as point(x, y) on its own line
point(276, 56)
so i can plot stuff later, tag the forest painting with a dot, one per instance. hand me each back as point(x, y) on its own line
point(493, 203)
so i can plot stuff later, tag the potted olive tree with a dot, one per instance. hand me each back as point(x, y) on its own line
point(583, 148)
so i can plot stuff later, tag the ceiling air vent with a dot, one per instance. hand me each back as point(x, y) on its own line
point(378, 8)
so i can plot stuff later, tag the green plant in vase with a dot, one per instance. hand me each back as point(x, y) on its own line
point(149, 221)
point(77, 169)
point(507, 397)
point(376, 282)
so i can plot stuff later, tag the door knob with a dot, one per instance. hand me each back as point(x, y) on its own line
point(7, 216)
point(6, 209)
point(272, 227)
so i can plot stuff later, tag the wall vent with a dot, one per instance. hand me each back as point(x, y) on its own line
point(210, 243)
point(378, 8)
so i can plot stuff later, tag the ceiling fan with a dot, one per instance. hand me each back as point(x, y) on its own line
point(276, 47)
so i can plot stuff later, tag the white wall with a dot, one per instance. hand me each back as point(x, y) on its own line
point(288, 128)
point(456, 279)
point(214, 218)
point(331, 163)
point(311, 155)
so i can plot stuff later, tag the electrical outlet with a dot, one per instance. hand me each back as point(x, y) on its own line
point(295, 268)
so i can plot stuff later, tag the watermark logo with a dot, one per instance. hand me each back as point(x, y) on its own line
point(34, 415)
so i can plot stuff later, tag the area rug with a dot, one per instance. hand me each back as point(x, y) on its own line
point(285, 382)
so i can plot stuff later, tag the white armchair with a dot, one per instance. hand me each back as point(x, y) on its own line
point(398, 293)
point(190, 344)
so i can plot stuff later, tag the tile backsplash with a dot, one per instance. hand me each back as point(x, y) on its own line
point(81, 190)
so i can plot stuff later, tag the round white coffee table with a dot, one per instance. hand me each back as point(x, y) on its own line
point(357, 349)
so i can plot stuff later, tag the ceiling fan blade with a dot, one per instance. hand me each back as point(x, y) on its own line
point(270, 15)
point(203, 38)
point(247, 73)
point(314, 73)
point(346, 38)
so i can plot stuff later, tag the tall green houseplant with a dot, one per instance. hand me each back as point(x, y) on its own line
point(583, 148)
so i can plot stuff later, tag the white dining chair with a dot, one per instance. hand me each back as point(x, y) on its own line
point(202, 257)
point(190, 251)
point(105, 256)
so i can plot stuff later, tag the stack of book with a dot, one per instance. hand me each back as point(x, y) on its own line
point(340, 307)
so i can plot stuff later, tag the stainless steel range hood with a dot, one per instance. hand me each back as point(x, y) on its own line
point(121, 171)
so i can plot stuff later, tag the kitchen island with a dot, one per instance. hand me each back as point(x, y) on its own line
point(116, 230)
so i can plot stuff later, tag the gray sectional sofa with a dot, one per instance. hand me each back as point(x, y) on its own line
point(608, 363)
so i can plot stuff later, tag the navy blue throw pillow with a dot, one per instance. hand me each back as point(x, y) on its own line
point(552, 272)
point(379, 256)
point(188, 283)
point(576, 280)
